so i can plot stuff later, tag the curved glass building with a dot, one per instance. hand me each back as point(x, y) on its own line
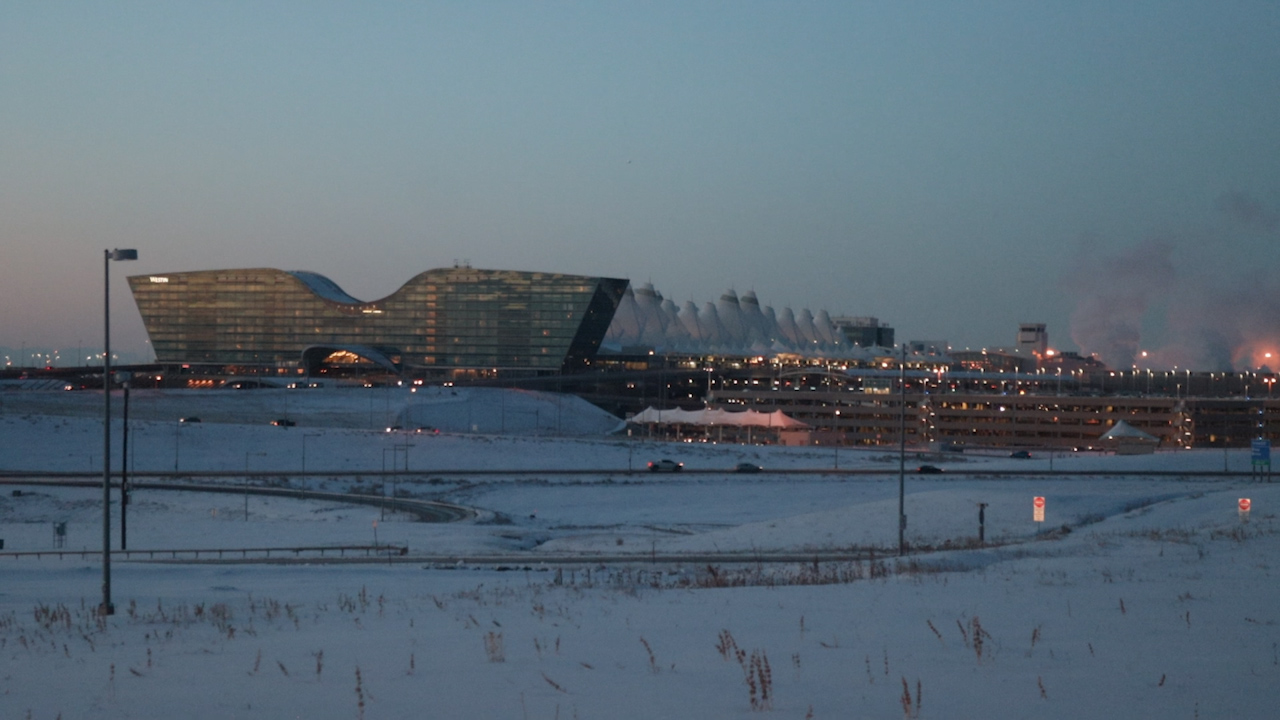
point(450, 318)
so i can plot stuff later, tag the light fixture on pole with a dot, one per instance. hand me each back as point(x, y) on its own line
point(107, 608)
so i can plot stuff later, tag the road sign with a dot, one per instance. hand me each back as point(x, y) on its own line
point(1245, 505)
point(1038, 509)
point(1261, 452)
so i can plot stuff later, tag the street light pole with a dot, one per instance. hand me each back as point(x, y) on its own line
point(304, 449)
point(902, 452)
point(107, 608)
point(382, 510)
point(246, 481)
point(124, 468)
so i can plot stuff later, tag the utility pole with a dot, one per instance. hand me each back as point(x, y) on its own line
point(902, 452)
point(124, 468)
point(107, 607)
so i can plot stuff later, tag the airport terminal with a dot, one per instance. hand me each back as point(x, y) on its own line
point(627, 349)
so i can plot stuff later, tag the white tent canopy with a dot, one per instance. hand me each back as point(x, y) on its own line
point(734, 325)
point(676, 416)
point(1124, 431)
point(1129, 440)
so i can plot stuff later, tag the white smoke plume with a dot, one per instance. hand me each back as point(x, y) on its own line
point(1213, 299)
point(1114, 293)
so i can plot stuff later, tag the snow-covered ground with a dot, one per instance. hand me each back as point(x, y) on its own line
point(1159, 602)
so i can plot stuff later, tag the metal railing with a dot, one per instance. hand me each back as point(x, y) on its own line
point(263, 552)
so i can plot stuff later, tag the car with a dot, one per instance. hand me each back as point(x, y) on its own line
point(1021, 454)
point(665, 465)
point(421, 429)
point(189, 419)
point(394, 428)
point(746, 467)
point(928, 469)
point(283, 422)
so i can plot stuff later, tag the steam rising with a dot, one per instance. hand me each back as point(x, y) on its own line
point(1228, 320)
point(1249, 211)
point(1115, 293)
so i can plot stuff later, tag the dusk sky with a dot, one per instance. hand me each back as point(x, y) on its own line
point(1111, 169)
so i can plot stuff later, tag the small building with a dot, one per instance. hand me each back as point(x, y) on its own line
point(864, 331)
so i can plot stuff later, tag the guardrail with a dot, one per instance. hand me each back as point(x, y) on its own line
point(173, 553)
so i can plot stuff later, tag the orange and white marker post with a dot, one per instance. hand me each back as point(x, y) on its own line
point(1038, 509)
point(1244, 505)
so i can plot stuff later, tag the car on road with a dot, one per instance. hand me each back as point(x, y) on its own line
point(395, 428)
point(189, 419)
point(1021, 454)
point(283, 422)
point(665, 465)
point(928, 469)
point(746, 467)
point(427, 430)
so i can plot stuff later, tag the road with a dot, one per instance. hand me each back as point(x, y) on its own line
point(426, 510)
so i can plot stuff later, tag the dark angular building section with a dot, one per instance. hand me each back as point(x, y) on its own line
point(443, 319)
point(865, 331)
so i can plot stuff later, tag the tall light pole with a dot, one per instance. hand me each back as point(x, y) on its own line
point(246, 481)
point(107, 608)
point(124, 465)
point(382, 512)
point(902, 453)
point(304, 449)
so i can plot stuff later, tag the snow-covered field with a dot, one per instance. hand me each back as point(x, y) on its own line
point(1160, 601)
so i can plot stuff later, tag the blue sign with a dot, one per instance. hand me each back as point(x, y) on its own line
point(1262, 452)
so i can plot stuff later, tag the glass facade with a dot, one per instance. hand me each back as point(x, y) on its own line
point(457, 317)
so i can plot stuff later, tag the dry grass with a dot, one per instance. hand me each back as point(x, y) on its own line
point(756, 671)
point(935, 632)
point(726, 645)
point(978, 635)
point(359, 695)
point(910, 708)
point(759, 678)
point(493, 647)
point(557, 686)
point(653, 662)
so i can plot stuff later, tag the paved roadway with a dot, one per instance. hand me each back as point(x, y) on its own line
point(539, 561)
point(9, 476)
point(426, 510)
point(434, 511)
